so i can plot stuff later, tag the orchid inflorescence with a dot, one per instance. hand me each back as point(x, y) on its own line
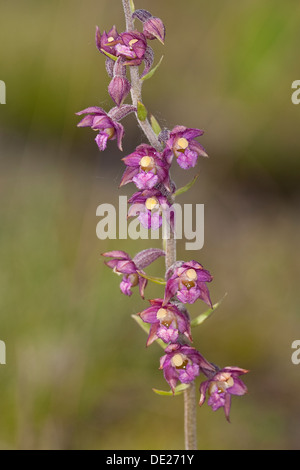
point(148, 168)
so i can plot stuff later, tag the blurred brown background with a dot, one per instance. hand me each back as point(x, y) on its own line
point(78, 375)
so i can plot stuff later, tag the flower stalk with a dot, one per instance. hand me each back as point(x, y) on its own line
point(190, 423)
point(167, 320)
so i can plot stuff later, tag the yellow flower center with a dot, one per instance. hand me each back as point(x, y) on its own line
point(182, 143)
point(133, 41)
point(177, 360)
point(191, 274)
point(161, 314)
point(152, 203)
point(147, 163)
point(110, 39)
point(110, 132)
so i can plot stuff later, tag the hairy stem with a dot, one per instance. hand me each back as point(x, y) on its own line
point(190, 431)
point(136, 85)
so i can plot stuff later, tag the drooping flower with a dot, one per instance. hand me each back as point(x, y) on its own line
point(167, 322)
point(98, 120)
point(146, 168)
point(188, 282)
point(182, 144)
point(150, 206)
point(220, 386)
point(182, 363)
point(131, 269)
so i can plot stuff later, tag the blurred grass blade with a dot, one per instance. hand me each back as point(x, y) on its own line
point(146, 327)
point(203, 316)
point(188, 186)
point(178, 391)
point(132, 7)
point(156, 280)
point(155, 126)
point(152, 71)
point(141, 111)
point(109, 55)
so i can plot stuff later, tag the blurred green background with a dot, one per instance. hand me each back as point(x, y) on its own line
point(78, 375)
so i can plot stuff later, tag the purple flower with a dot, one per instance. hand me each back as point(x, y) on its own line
point(106, 42)
point(188, 282)
point(99, 120)
point(132, 268)
point(181, 143)
point(182, 363)
point(132, 47)
point(146, 168)
point(149, 205)
point(167, 322)
point(220, 386)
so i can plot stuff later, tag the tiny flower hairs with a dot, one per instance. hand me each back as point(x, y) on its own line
point(129, 62)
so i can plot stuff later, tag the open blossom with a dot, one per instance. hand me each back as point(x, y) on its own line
point(106, 42)
point(131, 269)
point(182, 144)
point(188, 282)
point(132, 47)
point(149, 205)
point(145, 168)
point(220, 386)
point(167, 322)
point(183, 363)
point(98, 120)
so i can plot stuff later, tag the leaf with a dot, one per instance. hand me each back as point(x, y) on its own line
point(188, 186)
point(152, 71)
point(146, 327)
point(109, 55)
point(156, 280)
point(132, 7)
point(203, 316)
point(178, 391)
point(141, 111)
point(155, 126)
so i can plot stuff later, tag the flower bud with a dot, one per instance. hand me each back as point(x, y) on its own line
point(154, 28)
point(118, 89)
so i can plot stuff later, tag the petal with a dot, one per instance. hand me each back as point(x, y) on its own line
point(204, 295)
point(92, 109)
point(238, 388)
point(126, 267)
point(149, 315)
point(117, 254)
point(227, 406)
point(152, 334)
point(142, 285)
point(203, 390)
point(128, 175)
point(120, 134)
point(132, 160)
point(87, 121)
point(171, 289)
